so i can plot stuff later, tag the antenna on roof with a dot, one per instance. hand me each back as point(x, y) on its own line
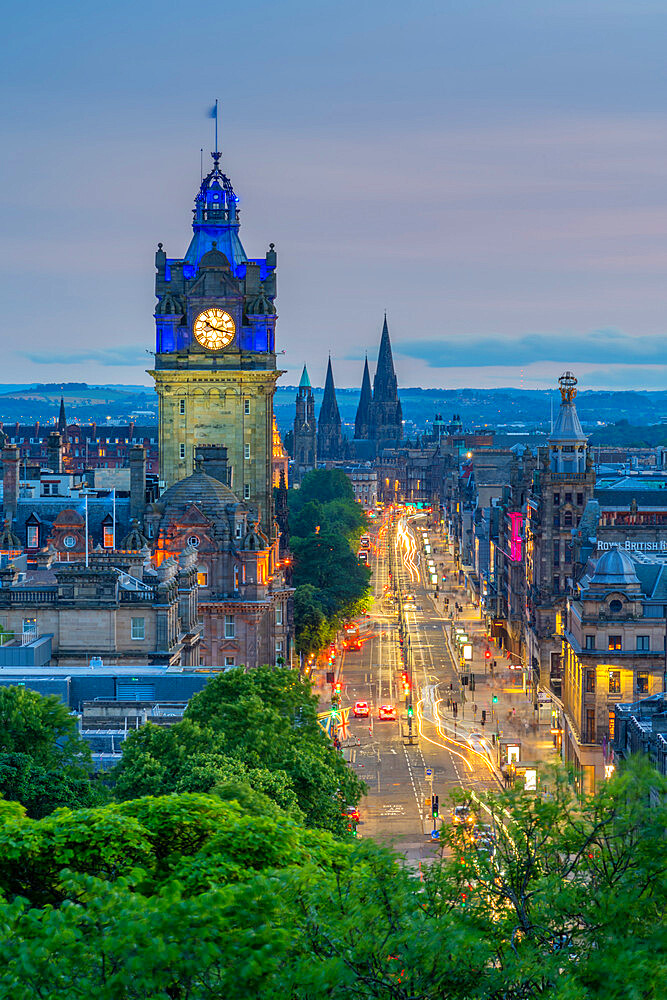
point(551, 400)
point(201, 164)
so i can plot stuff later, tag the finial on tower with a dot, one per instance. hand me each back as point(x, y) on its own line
point(568, 386)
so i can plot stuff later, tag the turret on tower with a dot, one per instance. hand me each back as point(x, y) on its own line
point(305, 429)
point(362, 422)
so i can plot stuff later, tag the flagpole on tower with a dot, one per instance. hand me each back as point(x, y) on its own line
point(216, 126)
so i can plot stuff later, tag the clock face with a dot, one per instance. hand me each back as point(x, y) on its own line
point(214, 329)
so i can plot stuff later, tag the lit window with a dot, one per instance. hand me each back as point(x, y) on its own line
point(107, 536)
point(138, 628)
point(246, 491)
point(230, 661)
point(590, 681)
point(642, 682)
point(182, 451)
point(230, 630)
point(612, 725)
point(615, 642)
point(246, 451)
point(33, 536)
point(614, 682)
point(236, 578)
point(202, 576)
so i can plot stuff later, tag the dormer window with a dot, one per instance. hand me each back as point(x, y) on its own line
point(615, 607)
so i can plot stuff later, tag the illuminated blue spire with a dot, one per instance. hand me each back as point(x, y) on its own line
point(216, 219)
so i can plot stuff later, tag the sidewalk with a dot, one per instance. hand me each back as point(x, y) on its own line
point(513, 715)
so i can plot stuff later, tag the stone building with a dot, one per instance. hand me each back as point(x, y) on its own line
point(613, 651)
point(364, 417)
point(305, 429)
point(244, 603)
point(562, 484)
point(280, 460)
point(115, 609)
point(215, 357)
point(386, 414)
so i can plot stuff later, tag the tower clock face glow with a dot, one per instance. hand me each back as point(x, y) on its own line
point(214, 329)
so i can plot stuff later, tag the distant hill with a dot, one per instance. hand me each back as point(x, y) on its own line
point(41, 402)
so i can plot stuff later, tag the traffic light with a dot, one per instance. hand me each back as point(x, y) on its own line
point(409, 711)
point(435, 809)
point(487, 654)
point(494, 699)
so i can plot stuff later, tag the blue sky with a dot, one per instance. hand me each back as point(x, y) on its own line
point(493, 174)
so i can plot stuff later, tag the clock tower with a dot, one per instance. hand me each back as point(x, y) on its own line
point(215, 362)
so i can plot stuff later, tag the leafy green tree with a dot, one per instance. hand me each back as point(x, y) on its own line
point(44, 762)
point(327, 563)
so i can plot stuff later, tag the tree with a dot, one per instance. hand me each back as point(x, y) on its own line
point(44, 762)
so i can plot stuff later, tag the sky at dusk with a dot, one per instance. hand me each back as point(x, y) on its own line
point(493, 173)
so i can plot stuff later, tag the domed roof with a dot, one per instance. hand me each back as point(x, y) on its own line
point(206, 492)
point(614, 569)
point(214, 258)
point(68, 517)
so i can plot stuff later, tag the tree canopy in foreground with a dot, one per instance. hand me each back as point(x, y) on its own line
point(200, 897)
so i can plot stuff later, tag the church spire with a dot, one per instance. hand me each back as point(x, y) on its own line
point(329, 434)
point(362, 420)
point(62, 420)
point(305, 381)
point(387, 415)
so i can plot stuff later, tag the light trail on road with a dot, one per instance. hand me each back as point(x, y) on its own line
point(443, 746)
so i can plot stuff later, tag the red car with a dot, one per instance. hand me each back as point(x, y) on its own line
point(361, 710)
point(387, 712)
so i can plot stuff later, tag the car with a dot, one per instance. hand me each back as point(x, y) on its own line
point(387, 712)
point(353, 644)
point(462, 815)
point(361, 710)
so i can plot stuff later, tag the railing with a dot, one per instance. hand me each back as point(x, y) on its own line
point(20, 638)
point(136, 596)
point(31, 596)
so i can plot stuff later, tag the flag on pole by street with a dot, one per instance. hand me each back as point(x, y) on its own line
point(343, 731)
point(213, 112)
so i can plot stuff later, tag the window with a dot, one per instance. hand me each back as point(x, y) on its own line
point(246, 451)
point(590, 642)
point(32, 536)
point(612, 725)
point(138, 628)
point(246, 407)
point(182, 451)
point(239, 528)
point(107, 536)
point(193, 540)
point(279, 614)
point(590, 681)
point(642, 643)
point(556, 553)
point(642, 682)
point(616, 607)
point(236, 578)
point(230, 661)
point(567, 519)
point(230, 630)
point(614, 682)
point(580, 499)
point(246, 491)
point(181, 406)
point(202, 576)
point(615, 642)
point(279, 650)
point(568, 496)
point(69, 541)
point(590, 725)
point(30, 626)
point(556, 499)
point(556, 520)
point(557, 582)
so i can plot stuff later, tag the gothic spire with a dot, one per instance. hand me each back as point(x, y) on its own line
point(329, 435)
point(387, 416)
point(305, 381)
point(362, 420)
point(62, 420)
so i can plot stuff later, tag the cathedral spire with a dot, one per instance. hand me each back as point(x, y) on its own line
point(305, 381)
point(387, 416)
point(62, 420)
point(329, 434)
point(362, 422)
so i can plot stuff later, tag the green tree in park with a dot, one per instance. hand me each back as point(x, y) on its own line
point(191, 897)
point(259, 726)
point(44, 762)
